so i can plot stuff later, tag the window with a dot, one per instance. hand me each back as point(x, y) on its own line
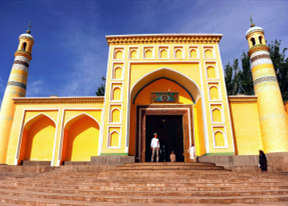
point(260, 39)
point(24, 46)
point(253, 41)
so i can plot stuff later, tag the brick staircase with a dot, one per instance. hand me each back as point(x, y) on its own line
point(142, 184)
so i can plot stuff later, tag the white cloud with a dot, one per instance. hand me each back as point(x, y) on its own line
point(89, 64)
point(35, 88)
point(88, 67)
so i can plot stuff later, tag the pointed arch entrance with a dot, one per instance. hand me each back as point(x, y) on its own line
point(143, 107)
point(80, 140)
point(38, 139)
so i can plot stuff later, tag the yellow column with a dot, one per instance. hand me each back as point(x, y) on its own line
point(271, 108)
point(16, 87)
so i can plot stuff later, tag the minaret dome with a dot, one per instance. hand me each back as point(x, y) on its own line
point(26, 42)
point(255, 36)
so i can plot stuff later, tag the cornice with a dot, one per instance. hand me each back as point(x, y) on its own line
point(53, 100)
point(23, 53)
point(258, 47)
point(163, 38)
point(242, 98)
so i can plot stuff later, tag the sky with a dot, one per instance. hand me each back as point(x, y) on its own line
point(70, 49)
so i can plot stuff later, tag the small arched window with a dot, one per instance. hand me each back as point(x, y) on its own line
point(253, 41)
point(24, 46)
point(260, 39)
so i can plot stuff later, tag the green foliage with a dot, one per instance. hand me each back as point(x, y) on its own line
point(101, 90)
point(231, 77)
point(280, 63)
point(239, 80)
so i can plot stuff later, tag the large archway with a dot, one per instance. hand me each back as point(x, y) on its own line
point(165, 81)
point(182, 80)
point(80, 140)
point(38, 139)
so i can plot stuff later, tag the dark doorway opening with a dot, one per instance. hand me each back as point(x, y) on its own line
point(170, 132)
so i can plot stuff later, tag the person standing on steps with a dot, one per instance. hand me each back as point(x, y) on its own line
point(262, 161)
point(155, 147)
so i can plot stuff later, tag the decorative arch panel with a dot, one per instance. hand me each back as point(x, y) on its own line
point(38, 139)
point(81, 136)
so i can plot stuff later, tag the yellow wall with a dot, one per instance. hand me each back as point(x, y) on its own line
point(199, 129)
point(38, 140)
point(245, 117)
point(81, 139)
point(139, 70)
point(61, 111)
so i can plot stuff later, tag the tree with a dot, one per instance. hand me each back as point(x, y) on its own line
point(231, 77)
point(101, 90)
point(239, 81)
point(280, 63)
point(245, 77)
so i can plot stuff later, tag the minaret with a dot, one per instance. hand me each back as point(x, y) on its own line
point(16, 87)
point(273, 120)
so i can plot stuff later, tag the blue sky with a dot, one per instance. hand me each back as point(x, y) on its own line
point(70, 51)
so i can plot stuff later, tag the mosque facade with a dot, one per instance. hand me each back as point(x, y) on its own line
point(172, 84)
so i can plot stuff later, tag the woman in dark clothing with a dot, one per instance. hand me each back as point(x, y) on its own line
point(262, 161)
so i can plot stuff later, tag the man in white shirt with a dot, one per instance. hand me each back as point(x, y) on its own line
point(155, 147)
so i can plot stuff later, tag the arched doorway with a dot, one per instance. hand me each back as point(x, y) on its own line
point(163, 95)
point(80, 141)
point(173, 125)
point(169, 129)
point(38, 139)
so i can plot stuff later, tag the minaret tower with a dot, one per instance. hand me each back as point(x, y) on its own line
point(16, 87)
point(272, 114)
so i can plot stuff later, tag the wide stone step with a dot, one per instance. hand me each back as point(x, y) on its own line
point(153, 187)
point(170, 164)
point(129, 193)
point(143, 180)
point(147, 176)
point(162, 173)
point(36, 163)
point(17, 201)
point(24, 171)
point(139, 199)
point(163, 177)
point(147, 173)
point(171, 167)
point(182, 180)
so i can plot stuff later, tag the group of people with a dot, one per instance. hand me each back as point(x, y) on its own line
point(155, 147)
